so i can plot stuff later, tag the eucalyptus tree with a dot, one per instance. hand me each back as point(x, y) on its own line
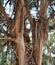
point(14, 14)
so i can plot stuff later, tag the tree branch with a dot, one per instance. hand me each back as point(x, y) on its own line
point(28, 12)
point(3, 11)
point(51, 16)
point(7, 38)
point(18, 16)
point(43, 8)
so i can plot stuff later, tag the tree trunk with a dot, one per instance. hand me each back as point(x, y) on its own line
point(20, 46)
point(20, 49)
point(39, 35)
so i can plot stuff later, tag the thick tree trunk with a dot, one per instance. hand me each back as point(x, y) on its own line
point(40, 32)
point(39, 35)
point(20, 49)
point(37, 45)
point(20, 46)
